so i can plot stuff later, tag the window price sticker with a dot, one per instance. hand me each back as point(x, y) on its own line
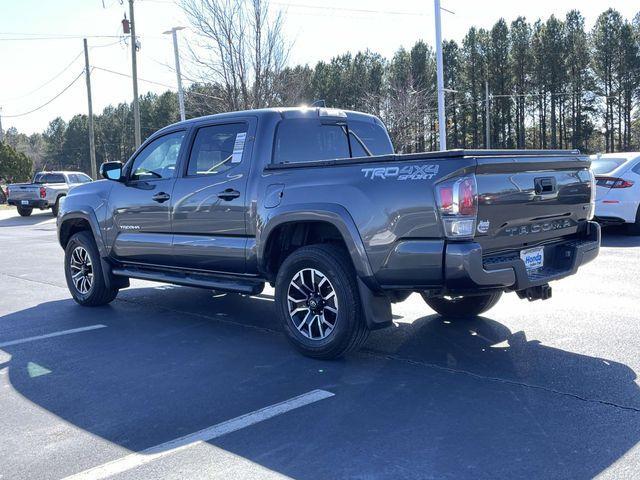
point(238, 147)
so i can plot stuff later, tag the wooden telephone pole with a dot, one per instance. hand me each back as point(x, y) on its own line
point(134, 74)
point(92, 141)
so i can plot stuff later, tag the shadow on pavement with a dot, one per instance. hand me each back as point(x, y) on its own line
point(615, 236)
point(38, 216)
point(431, 398)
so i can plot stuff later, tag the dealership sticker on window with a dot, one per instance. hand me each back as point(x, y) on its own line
point(238, 147)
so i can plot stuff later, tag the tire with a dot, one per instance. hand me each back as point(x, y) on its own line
point(97, 292)
point(56, 207)
point(344, 330)
point(25, 211)
point(634, 228)
point(463, 307)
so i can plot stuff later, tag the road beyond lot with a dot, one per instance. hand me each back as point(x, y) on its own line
point(172, 382)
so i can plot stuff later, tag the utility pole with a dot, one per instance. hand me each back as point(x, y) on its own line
point(134, 74)
point(1, 131)
point(441, 119)
point(92, 141)
point(177, 55)
point(487, 113)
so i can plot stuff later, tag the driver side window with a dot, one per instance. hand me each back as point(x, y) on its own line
point(158, 159)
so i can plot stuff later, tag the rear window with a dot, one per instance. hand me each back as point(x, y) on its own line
point(308, 140)
point(606, 165)
point(49, 178)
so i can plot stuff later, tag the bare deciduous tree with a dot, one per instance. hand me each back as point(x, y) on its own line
point(240, 45)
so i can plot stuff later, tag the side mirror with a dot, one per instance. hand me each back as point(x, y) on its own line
point(111, 171)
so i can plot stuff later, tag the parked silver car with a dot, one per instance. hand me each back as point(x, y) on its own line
point(44, 192)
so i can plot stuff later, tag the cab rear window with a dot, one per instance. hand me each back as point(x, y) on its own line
point(308, 140)
point(49, 178)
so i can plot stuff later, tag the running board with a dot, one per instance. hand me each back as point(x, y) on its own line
point(193, 279)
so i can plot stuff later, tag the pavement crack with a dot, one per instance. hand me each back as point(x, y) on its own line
point(387, 356)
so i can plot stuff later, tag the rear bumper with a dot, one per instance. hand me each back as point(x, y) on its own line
point(467, 269)
point(40, 203)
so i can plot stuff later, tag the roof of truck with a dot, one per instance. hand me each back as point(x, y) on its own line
point(284, 112)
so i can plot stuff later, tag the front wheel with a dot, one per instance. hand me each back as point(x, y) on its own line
point(25, 211)
point(319, 303)
point(463, 306)
point(83, 272)
point(56, 207)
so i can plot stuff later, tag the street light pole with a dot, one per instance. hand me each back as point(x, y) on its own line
point(441, 118)
point(178, 75)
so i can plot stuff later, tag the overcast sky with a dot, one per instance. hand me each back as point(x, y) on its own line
point(34, 71)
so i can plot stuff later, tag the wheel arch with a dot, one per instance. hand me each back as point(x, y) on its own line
point(333, 222)
point(78, 221)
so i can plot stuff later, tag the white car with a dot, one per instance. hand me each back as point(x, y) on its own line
point(618, 189)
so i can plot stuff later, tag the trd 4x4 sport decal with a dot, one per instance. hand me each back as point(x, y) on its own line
point(408, 172)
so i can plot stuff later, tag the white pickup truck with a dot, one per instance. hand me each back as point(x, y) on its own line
point(44, 192)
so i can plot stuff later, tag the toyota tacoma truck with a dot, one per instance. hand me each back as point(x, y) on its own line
point(45, 191)
point(314, 202)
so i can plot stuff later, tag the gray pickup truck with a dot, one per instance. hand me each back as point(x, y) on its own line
point(45, 191)
point(314, 202)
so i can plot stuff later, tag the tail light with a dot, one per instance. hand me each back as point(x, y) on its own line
point(613, 182)
point(43, 192)
point(457, 202)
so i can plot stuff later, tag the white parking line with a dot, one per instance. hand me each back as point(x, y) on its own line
point(51, 335)
point(154, 453)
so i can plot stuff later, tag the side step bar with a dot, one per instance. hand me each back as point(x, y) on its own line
point(193, 279)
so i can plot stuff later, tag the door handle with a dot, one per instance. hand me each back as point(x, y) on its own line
point(229, 194)
point(160, 197)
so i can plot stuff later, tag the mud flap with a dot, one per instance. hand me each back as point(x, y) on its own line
point(375, 307)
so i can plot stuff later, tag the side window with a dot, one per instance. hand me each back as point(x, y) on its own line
point(82, 178)
point(158, 159)
point(217, 148)
point(636, 169)
point(73, 178)
point(306, 140)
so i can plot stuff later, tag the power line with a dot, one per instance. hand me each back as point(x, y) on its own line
point(58, 37)
point(170, 87)
point(48, 102)
point(6, 100)
point(129, 76)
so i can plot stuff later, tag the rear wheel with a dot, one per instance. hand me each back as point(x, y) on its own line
point(25, 211)
point(634, 228)
point(83, 272)
point(463, 306)
point(318, 301)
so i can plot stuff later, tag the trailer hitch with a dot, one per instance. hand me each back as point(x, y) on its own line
point(541, 292)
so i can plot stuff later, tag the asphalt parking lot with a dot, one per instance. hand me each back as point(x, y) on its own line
point(176, 382)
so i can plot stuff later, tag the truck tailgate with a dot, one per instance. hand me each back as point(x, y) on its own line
point(526, 201)
point(24, 192)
